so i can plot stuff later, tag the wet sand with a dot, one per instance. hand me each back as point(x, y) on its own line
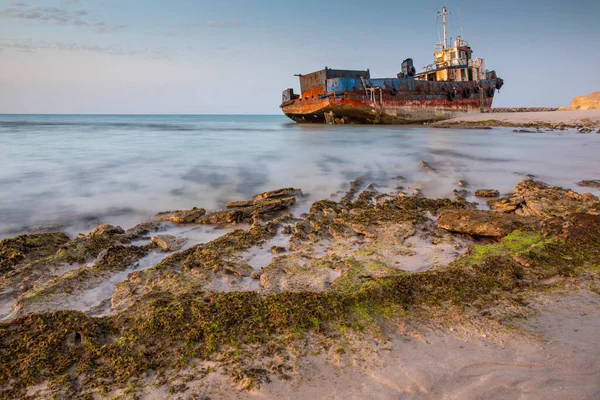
point(527, 118)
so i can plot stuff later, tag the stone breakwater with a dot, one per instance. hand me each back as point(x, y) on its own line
point(271, 286)
point(522, 109)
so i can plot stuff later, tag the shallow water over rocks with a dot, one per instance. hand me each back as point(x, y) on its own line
point(80, 171)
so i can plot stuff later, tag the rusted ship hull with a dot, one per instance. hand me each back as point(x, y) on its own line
point(390, 101)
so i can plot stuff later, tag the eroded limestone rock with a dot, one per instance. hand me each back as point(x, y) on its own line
point(535, 198)
point(168, 242)
point(481, 223)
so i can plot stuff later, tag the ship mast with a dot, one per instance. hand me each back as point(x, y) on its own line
point(443, 15)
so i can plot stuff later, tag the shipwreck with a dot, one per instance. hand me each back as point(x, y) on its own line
point(455, 83)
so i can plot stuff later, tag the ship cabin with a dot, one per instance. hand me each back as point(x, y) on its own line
point(325, 83)
point(453, 64)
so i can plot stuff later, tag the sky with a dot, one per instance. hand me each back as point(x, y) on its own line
point(236, 57)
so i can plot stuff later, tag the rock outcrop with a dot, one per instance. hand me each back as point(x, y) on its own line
point(181, 216)
point(593, 183)
point(535, 198)
point(487, 193)
point(588, 102)
point(482, 223)
point(168, 242)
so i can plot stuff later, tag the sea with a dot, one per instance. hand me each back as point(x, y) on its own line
point(74, 172)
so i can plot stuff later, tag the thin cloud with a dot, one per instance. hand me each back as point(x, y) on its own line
point(56, 15)
point(31, 46)
point(233, 24)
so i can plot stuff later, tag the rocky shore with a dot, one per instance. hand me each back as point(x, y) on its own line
point(275, 296)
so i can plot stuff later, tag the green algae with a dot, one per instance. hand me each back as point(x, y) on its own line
point(27, 248)
point(513, 244)
point(198, 325)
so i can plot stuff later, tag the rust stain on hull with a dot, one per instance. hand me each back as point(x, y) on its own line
point(401, 108)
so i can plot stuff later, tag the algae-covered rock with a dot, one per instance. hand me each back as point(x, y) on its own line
point(181, 216)
point(278, 193)
point(487, 193)
point(294, 274)
point(461, 195)
point(239, 203)
point(85, 248)
point(593, 183)
point(26, 248)
point(481, 223)
point(242, 212)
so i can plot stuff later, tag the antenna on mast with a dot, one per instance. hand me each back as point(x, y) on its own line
point(460, 19)
point(443, 15)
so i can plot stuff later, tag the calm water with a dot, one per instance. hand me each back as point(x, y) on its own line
point(79, 171)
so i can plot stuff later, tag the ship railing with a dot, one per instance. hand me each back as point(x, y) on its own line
point(429, 68)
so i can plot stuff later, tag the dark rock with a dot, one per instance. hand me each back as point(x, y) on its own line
point(461, 194)
point(487, 193)
point(594, 183)
point(278, 250)
point(462, 183)
point(583, 228)
point(141, 230)
point(106, 230)
point(351, 193)
point(427, 167)
point(278, 193)
point(481, 223)
point(255, 275)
